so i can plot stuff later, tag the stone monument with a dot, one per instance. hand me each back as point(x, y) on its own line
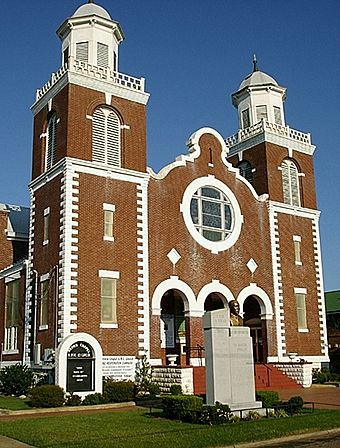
point(229, 362)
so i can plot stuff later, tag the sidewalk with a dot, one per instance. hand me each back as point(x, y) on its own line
point(6, 442)
point(324, 397)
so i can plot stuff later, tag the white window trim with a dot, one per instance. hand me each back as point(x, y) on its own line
point(46, 213)
point(302, 291)
point(213, 246)
point(108, 274)
point(297, 238)
point(102, 325)
point(109, 208)
point(43, 278)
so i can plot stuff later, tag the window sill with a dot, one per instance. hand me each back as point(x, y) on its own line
point(108, 238)
point(43, 327)
point(303, 330)
point(10, 352)
point(45, 243)
point(298, 263)
point(103, 325)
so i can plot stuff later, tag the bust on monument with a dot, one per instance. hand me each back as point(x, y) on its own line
point(235, 318)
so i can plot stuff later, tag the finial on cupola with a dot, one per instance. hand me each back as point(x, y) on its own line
point(90, 1)
point(255, 67)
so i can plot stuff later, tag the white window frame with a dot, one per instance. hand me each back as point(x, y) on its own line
point(297, 250)
point(11, 332)
point(46, 226)
point(290, 174)
point(114, 275)
point(51, 141)
point(111, 208)
point(301, 292)
point(106, 137)
point(214, 246)
point(259, 112)
point(45, 278)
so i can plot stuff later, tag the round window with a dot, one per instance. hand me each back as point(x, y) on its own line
point(211, 213)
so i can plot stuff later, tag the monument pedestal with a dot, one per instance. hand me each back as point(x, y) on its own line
point(229, 363)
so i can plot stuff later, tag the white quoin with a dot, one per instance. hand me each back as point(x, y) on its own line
point(91, 37)
point(259, 97)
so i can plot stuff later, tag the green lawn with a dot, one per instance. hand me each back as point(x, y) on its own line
point(136, 428)
point(13, 403)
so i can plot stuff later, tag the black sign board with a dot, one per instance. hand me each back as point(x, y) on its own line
point(80, 368)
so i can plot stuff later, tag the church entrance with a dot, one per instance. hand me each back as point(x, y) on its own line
point(252, 319)
point(213, 302)
point(173, 328)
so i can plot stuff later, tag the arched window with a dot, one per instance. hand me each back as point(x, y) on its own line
point(290, 183)
point(106, 137)
point(51, 142)
point(246, 170)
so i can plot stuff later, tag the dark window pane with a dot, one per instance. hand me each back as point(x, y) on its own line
point(212, 235)
point(210, 193)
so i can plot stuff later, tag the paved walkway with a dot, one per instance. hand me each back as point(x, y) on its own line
point(324, 397)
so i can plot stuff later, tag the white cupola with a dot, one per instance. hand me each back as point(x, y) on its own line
point(91, 37)
point(259, 97)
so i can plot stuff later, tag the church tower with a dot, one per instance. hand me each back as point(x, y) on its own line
point(278, 161)
point(88, 239)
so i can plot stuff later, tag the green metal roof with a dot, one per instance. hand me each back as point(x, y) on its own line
point(332, 301)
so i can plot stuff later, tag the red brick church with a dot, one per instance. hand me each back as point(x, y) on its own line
point(123, 262)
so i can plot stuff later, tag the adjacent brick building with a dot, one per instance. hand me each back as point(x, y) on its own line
point(124, 262)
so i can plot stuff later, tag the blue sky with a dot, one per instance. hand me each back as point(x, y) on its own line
point(193, 54)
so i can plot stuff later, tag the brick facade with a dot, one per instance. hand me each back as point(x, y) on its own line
point(166, 276)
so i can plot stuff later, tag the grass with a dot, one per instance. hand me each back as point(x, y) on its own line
point(128, 429)
point(13, 403)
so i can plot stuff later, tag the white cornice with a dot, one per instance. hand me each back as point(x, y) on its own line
point(89, 82)
point(89, 167)
point(293, 210)
point(275, 138)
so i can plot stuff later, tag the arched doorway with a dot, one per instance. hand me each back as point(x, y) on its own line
point(252, 319)
point(173, 327)
point(213, 302)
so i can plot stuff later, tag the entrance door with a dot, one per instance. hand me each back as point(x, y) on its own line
point(256, 334)
point(252, 319)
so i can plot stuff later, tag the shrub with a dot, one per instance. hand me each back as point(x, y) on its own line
point(93, 399)
point(295, 404)
point(280, 413)
point(16, 379)
point(269, 398)
point(176, 389)
point(182, 407)
point(252, 415)
point(47, 396)
point(215, 415)
point(154, 389)
point(143, 376)
point(73, 400)
point(321, 376)
point(118, 391)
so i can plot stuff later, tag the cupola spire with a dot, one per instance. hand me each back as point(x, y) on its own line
point(255, 67)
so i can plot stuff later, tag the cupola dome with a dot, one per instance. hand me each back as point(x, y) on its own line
point(257, 78)
point(91, 9)
point(259, 98)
